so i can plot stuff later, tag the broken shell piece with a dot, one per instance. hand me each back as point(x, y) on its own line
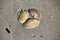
point(31, 23)
point(23, 16)
point(34, 13)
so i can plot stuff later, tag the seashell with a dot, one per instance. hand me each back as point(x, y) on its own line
point(29, 18)
point(23, 16)
point(31, 23)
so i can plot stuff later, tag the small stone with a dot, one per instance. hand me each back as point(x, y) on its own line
point(52, 17)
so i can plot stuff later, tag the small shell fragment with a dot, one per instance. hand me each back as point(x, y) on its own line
point(34, 13)
point(23, 16)
point(32, 23)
